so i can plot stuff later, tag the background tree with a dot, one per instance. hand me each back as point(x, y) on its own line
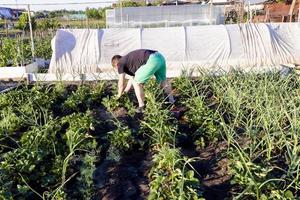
point(48, 23)
point(131, 4)
point(23, 23)
point(41, 14)
point(93, 13)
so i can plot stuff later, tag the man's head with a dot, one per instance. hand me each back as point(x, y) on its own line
point(115, 60)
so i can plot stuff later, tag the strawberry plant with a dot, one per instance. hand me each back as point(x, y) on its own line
point(200, 116)
point(121, 138)
point(170, 180)
point(111, 103)
point(78, 100)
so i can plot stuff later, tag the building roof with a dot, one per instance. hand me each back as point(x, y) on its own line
point(6, 13)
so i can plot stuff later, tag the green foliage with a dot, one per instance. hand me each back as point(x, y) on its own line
point(79, 100)
point(198, 113)
point(170, 179)
point(97, 91)
point(157, 121)
point(48, 23)
point(255, 177)
point(37, 162)
point(23, 23)
point(260, 124)
point(93, 13)
point(28, 162)
point(112, 103)
point(43, 48)
point(86, 187)
point(131, 4)
point(48, 154)
point(121, 138)
point(203, 118)
point(57, 13)
point(84, 97)
point(18, 52)
point(8, 52)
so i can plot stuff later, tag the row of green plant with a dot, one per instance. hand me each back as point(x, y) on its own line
point(172, 175)
point(47, 143)
point(261, 127)
point(47, 152)
point(257, 114)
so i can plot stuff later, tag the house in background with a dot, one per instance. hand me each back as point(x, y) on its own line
point(273, 11)
point(5, 13)
point(10, 13)
point(75, 17)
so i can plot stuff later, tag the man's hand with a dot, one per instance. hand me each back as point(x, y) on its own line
point(118, 97)
point(123, 93)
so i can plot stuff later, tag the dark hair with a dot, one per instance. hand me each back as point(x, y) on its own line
point(115, 57)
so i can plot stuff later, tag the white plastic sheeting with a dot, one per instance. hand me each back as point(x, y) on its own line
point(76, 51)
point(195, 14)
point(218, 47)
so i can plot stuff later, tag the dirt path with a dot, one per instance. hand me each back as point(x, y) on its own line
point(124, 180)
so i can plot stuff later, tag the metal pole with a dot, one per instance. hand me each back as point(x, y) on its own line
point(106, 21)
point(31, 33)
point(121, 12)
point(210, 12)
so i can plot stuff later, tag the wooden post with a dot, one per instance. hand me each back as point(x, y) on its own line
point(292, 10)
point(267, 14)
point(31, 33)
point(6, 27)
point(88, 23)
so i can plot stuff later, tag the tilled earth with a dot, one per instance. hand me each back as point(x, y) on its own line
point(128, 178)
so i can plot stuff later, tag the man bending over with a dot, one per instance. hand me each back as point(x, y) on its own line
point(140, 65)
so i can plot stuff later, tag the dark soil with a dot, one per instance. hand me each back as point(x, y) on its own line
point(212, 169)
point(126, 179)
point(211, 164)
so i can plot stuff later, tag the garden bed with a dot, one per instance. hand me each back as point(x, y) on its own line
point(229, 136)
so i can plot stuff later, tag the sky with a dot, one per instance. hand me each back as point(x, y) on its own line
point(44, 6)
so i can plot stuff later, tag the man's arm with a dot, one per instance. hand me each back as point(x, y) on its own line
point(129, 84)
point(121, 84)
